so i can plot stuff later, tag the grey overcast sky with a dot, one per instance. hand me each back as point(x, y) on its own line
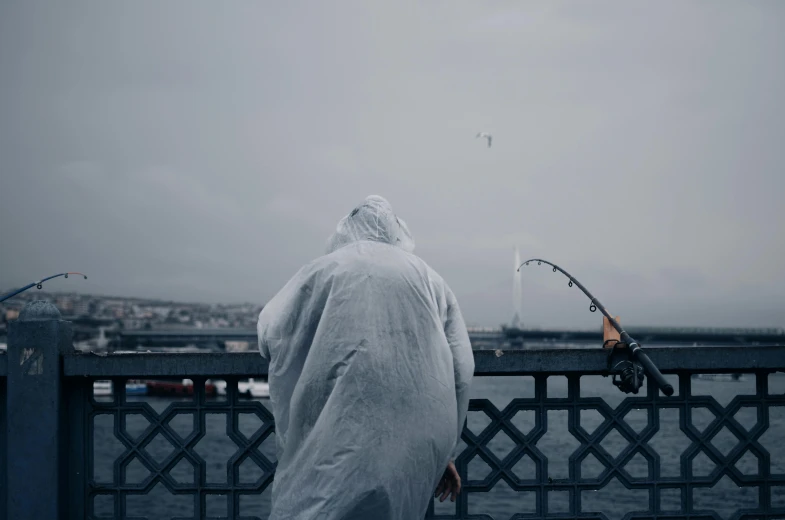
point(204, 151)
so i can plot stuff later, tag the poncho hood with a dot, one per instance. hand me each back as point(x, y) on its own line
point(374, 220)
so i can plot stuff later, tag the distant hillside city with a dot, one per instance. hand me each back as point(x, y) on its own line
point(135, 313)
point(111, 323)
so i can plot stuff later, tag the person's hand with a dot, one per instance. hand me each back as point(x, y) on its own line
point(450, 484)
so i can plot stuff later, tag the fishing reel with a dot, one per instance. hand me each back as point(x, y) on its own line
point(630, 372)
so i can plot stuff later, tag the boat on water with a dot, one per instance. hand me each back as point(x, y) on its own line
point(246, 388)
point(102, 388)
point(721, 377)
point(184, 387)
point(135, 388)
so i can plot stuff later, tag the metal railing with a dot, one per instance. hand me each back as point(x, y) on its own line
point(567, 445)
point(132, 339)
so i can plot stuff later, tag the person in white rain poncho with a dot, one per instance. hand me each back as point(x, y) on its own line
point(370, 368)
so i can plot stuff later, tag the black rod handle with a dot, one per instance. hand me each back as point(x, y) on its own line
point(651, 369)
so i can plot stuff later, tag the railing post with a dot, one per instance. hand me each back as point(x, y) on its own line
point(3, 430)
point(37, 428)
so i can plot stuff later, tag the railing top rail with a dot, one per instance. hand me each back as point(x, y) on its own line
point(487, 362)
point(713, 331)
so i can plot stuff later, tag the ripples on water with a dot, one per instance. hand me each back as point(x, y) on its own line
point(501, 502)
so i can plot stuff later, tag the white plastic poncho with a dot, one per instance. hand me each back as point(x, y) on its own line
point(370, 367)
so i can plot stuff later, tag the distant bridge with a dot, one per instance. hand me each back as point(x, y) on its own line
point(485, 338)
point(133, 339)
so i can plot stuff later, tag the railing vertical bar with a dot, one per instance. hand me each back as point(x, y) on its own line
point(685, 392)
point(78, 432)
point(764, 466)
point(89, 449)
point(201, 480)
point(541, 396)
point(119, 401)
point(3, 448)
point(231, 469)
point(200, 499)
point(573, 394)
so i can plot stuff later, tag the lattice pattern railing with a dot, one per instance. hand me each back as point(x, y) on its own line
point(3, 440)
point(662, 495)
point(616, 448)
point(182, 469)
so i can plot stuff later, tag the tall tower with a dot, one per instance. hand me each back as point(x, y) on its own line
point(517, 294)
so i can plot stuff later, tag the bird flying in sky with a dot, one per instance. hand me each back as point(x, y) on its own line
point(485, 135)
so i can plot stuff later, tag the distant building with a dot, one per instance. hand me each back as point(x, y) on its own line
point(65, 304)
point(83, 308)
point(161, 312)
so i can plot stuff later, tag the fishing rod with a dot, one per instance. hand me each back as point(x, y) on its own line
point(37, 284)
point(632, 380)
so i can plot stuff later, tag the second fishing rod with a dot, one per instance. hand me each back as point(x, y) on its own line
point(635, 349)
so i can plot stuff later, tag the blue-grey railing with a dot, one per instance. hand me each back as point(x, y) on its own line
point(3, 428)
point(55, 430)
point(132, 339)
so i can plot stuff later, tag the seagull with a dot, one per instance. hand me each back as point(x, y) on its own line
point(485, 135)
